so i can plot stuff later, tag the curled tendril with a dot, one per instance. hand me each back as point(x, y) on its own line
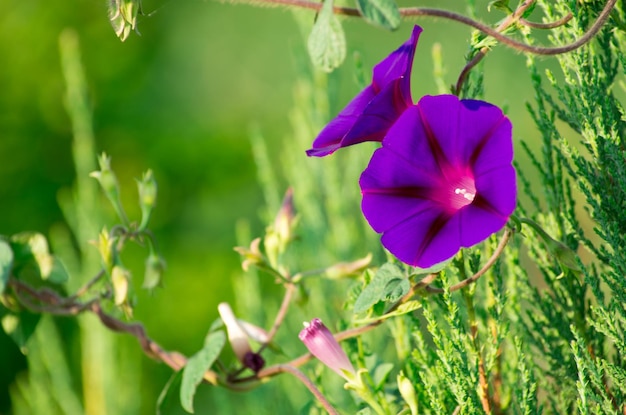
point(512, 43)
point(445, 14)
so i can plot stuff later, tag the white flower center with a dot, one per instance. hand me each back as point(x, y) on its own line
point(467, 195)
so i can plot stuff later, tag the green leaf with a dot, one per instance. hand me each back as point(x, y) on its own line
point(197, 365)
point(433, 269)
point(395, 289)
point(405, 308)
point(19, 326)
point(383, 13)
point(327, 43)
point(6, 264)
point(380, 375)
point(167, 402)
point(58, 273)
point(500, 5)
point(376, 290)
point(32, 248)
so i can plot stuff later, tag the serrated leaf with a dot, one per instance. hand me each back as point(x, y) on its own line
point(383, 13)
point(375, 290)
point(327, 43)
point(395, 289)
point(6, 264)
point(197, 365)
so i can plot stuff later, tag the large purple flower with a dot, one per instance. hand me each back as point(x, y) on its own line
point(442, 180)
point(372, 112)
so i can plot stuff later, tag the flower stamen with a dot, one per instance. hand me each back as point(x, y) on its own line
point(467, 195)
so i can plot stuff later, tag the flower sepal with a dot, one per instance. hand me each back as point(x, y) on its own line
point(359, 384)
point(356, 381)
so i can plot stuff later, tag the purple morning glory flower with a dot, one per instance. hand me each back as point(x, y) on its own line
point(321, 343)
point(442, 180)
point(370, 114)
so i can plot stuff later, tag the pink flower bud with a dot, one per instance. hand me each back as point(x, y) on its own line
point(321, 343)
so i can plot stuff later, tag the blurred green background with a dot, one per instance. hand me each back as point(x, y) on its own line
point(182, 99)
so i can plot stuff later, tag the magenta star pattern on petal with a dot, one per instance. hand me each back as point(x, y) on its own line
point(372, 112)
point(442, 180)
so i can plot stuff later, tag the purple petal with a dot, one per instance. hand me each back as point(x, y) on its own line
point(398, 63)
point(425, 239)
point(442, 180)
point(329, 139)
point(380, 114)
point(392, 184)
point(498, 190)
point(441, 115)
point(372, 112)
point(477, 224)
point(407, 138)
point(486, 136)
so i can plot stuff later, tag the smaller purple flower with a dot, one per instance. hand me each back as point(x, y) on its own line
point(321, 343)
point(372, 112)
point(442, 180)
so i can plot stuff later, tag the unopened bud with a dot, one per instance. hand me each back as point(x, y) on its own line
point(322, 344)
point(120, 278)
point(346, 269)
point(123, 16)
point(147, 197)
point(280, 233)
point(108, 181)
point(106, 177)
point(155, 266)
point(286, 218)
point(408, 392)
point(105, 247)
